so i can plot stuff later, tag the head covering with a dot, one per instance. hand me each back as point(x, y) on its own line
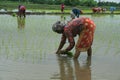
point(58, 27)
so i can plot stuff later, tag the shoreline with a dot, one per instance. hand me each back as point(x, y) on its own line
point(41, 13)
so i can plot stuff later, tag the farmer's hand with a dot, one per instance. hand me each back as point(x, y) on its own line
point(62, 52)
point(57, 52)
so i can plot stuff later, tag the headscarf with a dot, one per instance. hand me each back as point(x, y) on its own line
point(58, 27)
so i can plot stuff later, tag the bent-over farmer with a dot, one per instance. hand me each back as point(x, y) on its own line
point(83, 27)
point(21, 11)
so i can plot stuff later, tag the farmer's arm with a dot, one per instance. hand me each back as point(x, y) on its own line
point(63, 40)
point(71, 41)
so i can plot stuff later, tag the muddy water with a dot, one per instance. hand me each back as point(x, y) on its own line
point(27, 50)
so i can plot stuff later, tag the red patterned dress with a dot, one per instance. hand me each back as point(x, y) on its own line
point(62, 7)
point(21, 11)
point(85, 28)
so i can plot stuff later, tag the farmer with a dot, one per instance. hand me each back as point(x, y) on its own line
point(83, 27)
point(62, 7)
point(21, 11)
point(76, 12)
point(97, 9)
point(112, 9)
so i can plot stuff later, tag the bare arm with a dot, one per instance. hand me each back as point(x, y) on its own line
point(63, 40)
point(71, 41)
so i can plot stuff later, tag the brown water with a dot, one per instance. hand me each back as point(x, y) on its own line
point(27, 50)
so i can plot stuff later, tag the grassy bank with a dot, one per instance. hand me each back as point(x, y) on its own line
point(13, 5)
point(44, 8)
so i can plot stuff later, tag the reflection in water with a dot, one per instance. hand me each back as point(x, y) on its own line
point(69, 71)
point(66, 69)
point(21, 22)
point(111, 15)
point(98, 15)
point(83, 72)
point(62, 18)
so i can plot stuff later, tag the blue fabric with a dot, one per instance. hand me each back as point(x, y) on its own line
point(76, 12)
point(112, 8)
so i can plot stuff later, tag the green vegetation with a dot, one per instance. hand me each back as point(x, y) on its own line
point(38, 7)
point(54, 7)
point(14, 5)
point(70, 54)
point(89, 3)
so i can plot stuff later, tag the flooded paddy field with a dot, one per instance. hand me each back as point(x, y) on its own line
point(28, 46)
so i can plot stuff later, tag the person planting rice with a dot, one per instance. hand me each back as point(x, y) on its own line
point(83, 27)
point(75, 12)
point(62, 8)
point(21, 11)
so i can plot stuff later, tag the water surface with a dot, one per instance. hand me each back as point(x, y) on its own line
point(28, 46)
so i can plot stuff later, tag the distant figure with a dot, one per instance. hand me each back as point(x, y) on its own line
point(21, 11)
point(62, 8)
point(76, 12)
point(83, 27)
point(103, 10)
point(97, 9)
point(112, 9)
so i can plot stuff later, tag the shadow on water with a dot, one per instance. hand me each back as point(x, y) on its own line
point(21, 22)
point(73, 69)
